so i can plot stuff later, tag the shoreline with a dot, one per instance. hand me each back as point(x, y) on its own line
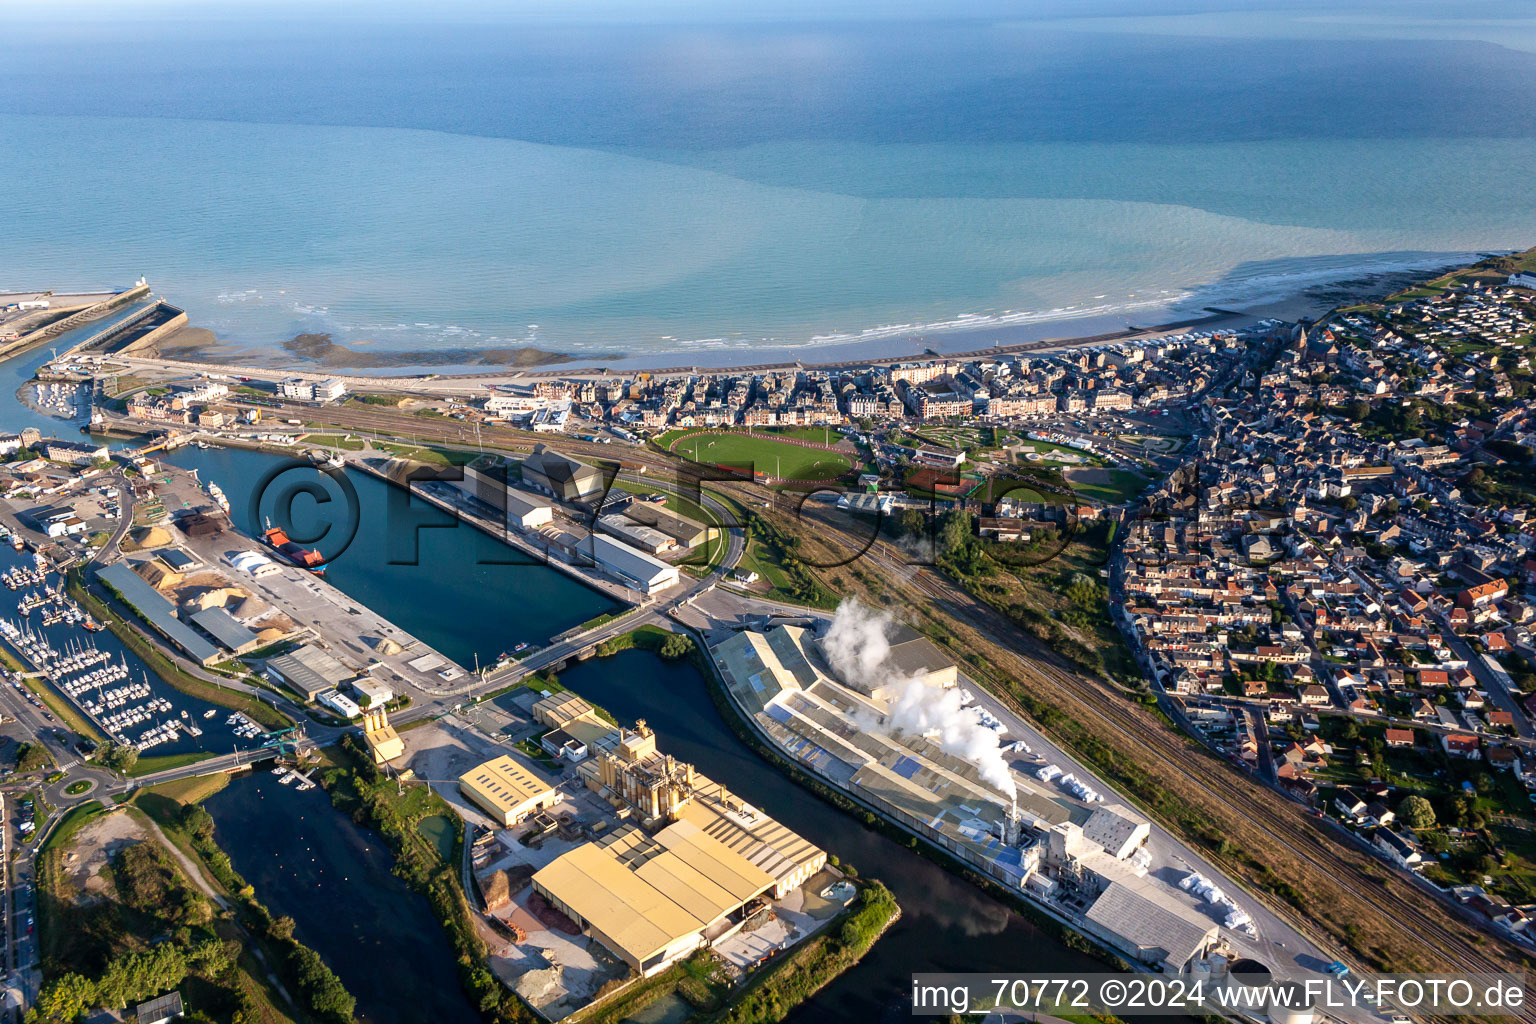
point(953, 339)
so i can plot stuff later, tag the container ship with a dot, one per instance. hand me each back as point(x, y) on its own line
point(304, 558)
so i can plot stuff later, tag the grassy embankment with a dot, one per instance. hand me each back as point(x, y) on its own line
point(149, 929)
point(773, 555)
point(310, 991)
point(346, 442)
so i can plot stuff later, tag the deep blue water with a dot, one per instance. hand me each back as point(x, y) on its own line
point(711, 183)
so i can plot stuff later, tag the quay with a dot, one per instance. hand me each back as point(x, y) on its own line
point(461, 511)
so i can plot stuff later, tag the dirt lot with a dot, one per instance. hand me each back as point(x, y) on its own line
point(445, 750)
point(93, 846)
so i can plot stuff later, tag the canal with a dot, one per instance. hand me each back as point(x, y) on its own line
point(309, 861)
point(946, 924)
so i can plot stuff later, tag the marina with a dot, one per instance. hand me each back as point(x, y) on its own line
point(111, 687)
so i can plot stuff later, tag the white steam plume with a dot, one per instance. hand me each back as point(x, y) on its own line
point(856, 644)
point(858, 650)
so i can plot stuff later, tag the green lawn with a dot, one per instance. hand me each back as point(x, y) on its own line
point(164, 762)
point(427, 454)
point(821, 435)
point(1111, 486)
point(765, 455)
point(1046, 450)
point(346, 441)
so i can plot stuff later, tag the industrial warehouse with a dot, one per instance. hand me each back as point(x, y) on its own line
point(689, 873)
point(630, 533)
point(1023, 823)
point(637, 852)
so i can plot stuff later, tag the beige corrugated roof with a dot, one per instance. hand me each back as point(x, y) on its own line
point(503, 783)
point(643, 893)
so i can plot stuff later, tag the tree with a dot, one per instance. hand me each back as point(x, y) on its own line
point(909, 522)
point(1416, 812)
point(196, 820)
point(63, 1000)
point(119, 757)
point(954, 531)
point(31, 757)
point(281, 929)
point(675, 646)
point(327, 996)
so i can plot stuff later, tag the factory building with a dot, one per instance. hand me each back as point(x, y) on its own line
point(658, 789)
point(653, 899)
point(633, 568)
point(701, 863)
point(506, 791)
point(485, 479)
point(687, 532)
point(308, 672)
point(1131, 913)
point(573, 723)
point(565, 478)
point(651, 541)
point(384, 743)
point(1091, 868)
point(154, 609)
point(226, 631)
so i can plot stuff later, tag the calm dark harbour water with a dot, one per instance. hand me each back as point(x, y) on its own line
point(463, 592)
point(310, 862)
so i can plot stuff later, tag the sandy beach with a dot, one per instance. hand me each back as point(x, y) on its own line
point(313, 352)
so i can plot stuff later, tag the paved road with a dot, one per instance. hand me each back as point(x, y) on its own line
point(1493, 683)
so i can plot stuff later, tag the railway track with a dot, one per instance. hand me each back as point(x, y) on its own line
point(1291, 828)
point(1287, 825)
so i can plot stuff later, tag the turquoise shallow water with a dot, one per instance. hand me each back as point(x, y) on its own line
point(713, 188)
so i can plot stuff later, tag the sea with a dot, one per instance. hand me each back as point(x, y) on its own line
point(719, 183)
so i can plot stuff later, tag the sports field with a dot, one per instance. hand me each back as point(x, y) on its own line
point(765, 455)
point(1111, 486)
